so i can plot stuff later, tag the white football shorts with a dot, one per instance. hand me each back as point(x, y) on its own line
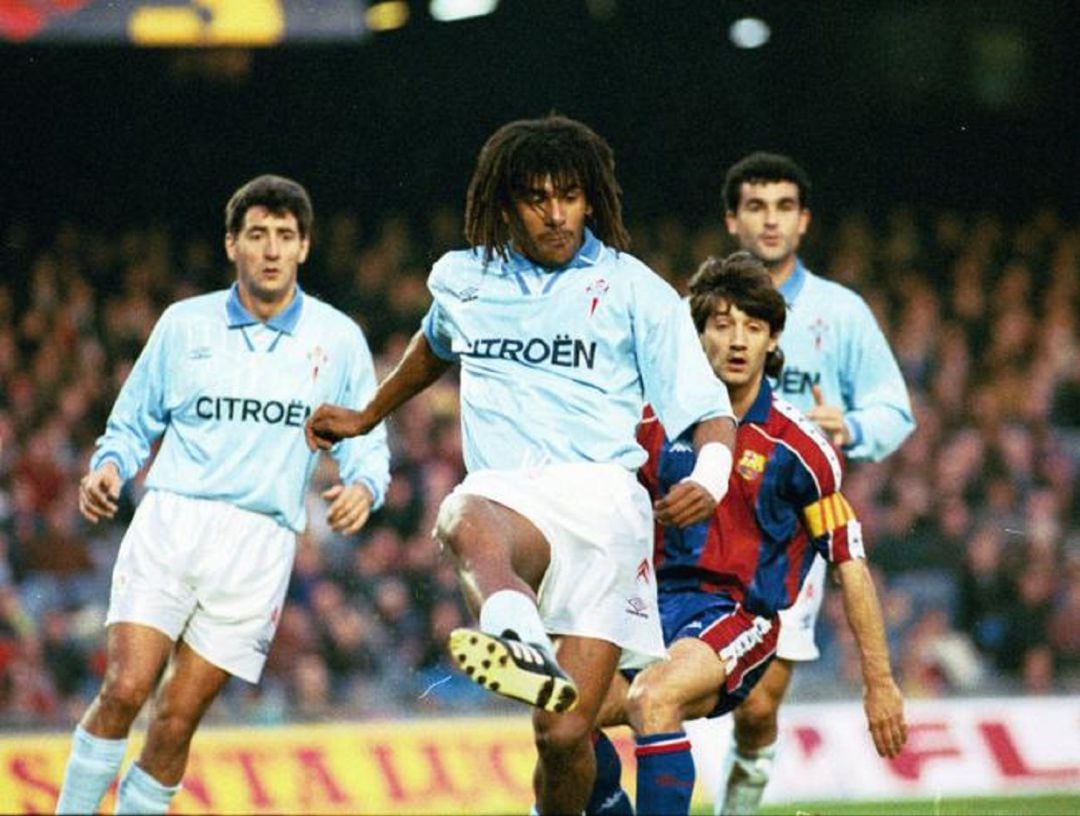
point(798, 621)
point(207, 571)
point(598, 522)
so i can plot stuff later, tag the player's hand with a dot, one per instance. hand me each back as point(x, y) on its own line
point(99, 493)
point(884, 708)
point(686, 503)
point(349, 508)
point(830, 418)
point(330, 424)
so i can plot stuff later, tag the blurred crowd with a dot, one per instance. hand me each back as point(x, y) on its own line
point(973, 527)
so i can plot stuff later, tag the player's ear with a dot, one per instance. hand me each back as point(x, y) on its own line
point(731, 222)
point(230, 246)
point(804, 220)
point(305, 247)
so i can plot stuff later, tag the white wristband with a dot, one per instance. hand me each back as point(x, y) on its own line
point(712, 469)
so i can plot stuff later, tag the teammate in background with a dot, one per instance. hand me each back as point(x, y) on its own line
point(722, 583)
point(840, 371)
point(560, 335)
point(226, 381)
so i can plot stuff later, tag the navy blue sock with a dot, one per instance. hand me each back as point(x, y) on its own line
point(665, 774)
point(608, 798)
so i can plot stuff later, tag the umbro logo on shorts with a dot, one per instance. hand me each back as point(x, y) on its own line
point(637, 607)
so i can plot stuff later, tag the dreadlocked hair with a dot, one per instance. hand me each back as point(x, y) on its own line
point(518, 155)
point(739, 280)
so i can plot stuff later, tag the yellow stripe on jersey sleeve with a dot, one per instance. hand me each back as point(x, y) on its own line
point(827, 514)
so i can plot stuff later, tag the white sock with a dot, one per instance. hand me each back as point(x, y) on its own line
point(510, 609)
point(141, 793)
point(742, 780)
point(91, 768)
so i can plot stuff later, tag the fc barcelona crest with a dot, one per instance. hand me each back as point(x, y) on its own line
point(751, 465)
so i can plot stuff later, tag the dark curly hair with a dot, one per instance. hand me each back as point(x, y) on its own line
point(521, 152)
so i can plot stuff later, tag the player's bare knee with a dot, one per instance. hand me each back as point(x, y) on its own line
point(122, 697)
point(559, 735)
point(652, 707)
point(171, 729)
point(453, 523)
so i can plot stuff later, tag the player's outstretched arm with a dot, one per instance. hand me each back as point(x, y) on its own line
point(99, 492)
point(882, 701)
point(419, 367)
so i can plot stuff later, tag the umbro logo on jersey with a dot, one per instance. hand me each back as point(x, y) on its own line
point(637, 607)
point(468, 293)
point(200, 353)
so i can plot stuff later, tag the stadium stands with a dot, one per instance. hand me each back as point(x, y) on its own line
point(974, 526)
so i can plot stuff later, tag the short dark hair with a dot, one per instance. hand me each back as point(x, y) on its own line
point(739, 280)
point(278, 194)
point(760, 168)
point(521, 152)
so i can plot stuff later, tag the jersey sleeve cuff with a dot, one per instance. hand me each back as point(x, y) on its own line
point(109, 456)
point(854, 432)
point(440, 349)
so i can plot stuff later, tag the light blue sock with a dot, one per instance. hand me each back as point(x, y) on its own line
point(141, 793)
point(91, 768)
point(509, 609)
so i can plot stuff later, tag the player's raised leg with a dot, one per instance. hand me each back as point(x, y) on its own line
point(501, 558)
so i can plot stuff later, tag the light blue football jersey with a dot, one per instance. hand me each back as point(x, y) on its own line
point(832, 339)
point(228, 397)
point(557, 364)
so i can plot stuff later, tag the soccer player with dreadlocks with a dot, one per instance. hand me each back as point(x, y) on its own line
point(561, 336)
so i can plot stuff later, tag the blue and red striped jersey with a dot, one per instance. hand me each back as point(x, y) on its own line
point(783, 504)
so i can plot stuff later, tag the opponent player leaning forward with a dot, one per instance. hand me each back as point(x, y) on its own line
point(722, 583)
point(561, 336)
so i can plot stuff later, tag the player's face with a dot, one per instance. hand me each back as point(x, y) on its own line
point(267, 252)
point(551, 222)
point(769, 221)
point(737, 345)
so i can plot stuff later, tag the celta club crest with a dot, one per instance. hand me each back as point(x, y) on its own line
point(818, 329)
point(317, 357)
point(598, 288)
